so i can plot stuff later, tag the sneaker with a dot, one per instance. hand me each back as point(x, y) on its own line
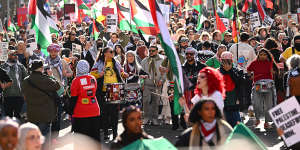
point(155, 122)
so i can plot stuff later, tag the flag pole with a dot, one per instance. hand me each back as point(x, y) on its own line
point(236, 21)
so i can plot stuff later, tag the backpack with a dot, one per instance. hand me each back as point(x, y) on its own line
point(294, 83)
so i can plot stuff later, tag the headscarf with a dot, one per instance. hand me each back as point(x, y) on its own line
point(53, 47)
point(82, 68)
point(23, 131)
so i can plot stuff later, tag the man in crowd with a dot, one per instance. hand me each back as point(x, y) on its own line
point(13, 95)
point(190, 69)
point(39, 90)
point(152, 85)
point(243, 53)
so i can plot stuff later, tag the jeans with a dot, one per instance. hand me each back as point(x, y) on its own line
point(13, 106)
point(232, 117)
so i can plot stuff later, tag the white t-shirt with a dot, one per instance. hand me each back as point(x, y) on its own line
point(216, 96)
point(246, 55)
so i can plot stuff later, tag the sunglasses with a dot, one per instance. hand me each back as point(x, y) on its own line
point(73, 34)
point(152, 51)
point(110, 52)
point(192, 54)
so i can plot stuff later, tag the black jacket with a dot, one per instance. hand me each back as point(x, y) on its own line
point(89, 58)
point(4, 78)
point(236, 76)
point(68, 43)
point(191, 71)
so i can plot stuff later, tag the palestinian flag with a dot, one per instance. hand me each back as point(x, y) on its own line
point(228, 9)
point(168, 46)
point(42, 23)
point(11, 26)
point(142, 17)
point(261, 10)
point(219, 22)
point(124, 19)
point(95, 32)
point(235, 24)
point(241, 132)
point(246, 5)
point(82, 5)
point(197, 5)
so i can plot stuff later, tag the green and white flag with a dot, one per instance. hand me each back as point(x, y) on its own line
point(168, 46)
point(42, 23)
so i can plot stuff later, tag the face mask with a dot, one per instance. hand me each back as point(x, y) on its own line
point(12, 60)
point(297, 46)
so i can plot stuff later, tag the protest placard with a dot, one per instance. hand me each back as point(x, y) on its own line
point(226, 22)
point(69, 8)
point(106, 11)
point(31, 41)
point(76, 49)
point(254, 20)
point(268, 21)
point(3, 51)
point(293, 17)
point(111, 23)
point(286, 116)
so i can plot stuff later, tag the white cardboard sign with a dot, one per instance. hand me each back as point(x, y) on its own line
point(31, 41)
point(286, 116)
point(268, 21)
point(254, 20)
point(112, 23)
point(76, 49)
point(3, 51)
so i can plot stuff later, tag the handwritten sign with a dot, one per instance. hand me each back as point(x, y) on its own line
point(69, 8)
point(254, 20)
point(286, 116)
point(76, 49)
point(268, 21)
point(3, 51)
point(31, 41)
point(112, 23)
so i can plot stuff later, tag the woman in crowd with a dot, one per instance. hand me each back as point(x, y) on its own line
point(84, 106)
point(119, 54)
point(8, 134)
point(132, 123)
point(292, 77)
point(208, 130)
point(132, 69)
point(263, 68)
point(30, 137)
point(214, 89)
point(108, 71)
point(232, 76)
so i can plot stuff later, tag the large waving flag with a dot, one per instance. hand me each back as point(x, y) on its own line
point(228, 9)
point(124, 19)
point(42, 23)
point(168, 46)
point(198, 5)
point(142, 17)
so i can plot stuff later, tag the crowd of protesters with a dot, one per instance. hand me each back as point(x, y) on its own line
point(222, 80)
